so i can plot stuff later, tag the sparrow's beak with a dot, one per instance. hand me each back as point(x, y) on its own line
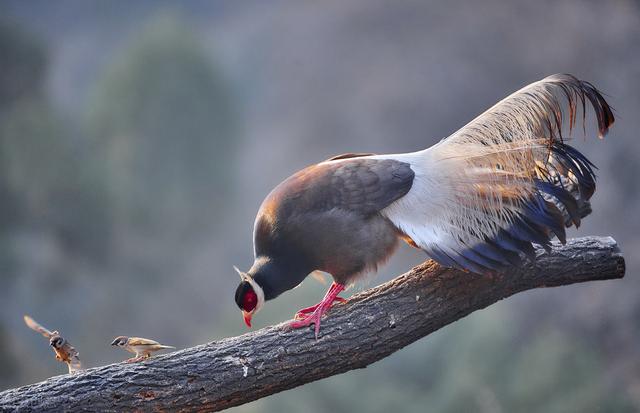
point(247, 318)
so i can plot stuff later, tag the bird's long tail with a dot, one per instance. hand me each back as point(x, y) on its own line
point(506, 179)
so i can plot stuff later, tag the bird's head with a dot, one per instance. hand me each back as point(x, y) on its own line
point(56, 341)
point(120, 341)
point(249, 296)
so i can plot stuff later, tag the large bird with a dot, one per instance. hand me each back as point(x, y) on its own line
point(475, 201)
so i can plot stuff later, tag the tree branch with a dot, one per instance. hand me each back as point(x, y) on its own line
point(372, 325)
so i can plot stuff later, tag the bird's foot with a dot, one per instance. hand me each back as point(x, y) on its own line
point(134, 359)
point(301, 314)
point(307, 320)
point(313, 315)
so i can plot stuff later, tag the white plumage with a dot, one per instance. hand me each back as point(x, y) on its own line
point(504, 180)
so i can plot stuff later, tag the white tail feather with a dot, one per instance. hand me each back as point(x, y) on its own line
point(481, 180)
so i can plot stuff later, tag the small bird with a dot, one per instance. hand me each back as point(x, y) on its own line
point(65, 352)
point(475, 201)
point(141, 347)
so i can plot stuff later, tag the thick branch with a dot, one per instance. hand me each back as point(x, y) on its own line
point(372, 325)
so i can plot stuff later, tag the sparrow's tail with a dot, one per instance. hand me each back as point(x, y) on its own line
point(163, 347)
point(506, 179)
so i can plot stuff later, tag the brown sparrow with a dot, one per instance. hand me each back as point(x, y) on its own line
point(65, 352)
point(141, 347)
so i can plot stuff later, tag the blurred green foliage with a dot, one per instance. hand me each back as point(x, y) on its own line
point(20, 78)
point(163, 117)
point(117, 195)
point(54, 179)
point(23, 64)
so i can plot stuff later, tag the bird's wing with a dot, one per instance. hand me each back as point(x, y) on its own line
point(504, 180)
point(357, 184)
point(139, 341)
point(73, 358)
point(32, 324)
point(363, 184)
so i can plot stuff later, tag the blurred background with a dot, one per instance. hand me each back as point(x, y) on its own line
point(137, 140)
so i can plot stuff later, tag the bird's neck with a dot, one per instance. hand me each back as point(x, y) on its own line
point(276, 275)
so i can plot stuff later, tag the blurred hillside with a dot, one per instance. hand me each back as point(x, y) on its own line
point(137, 140)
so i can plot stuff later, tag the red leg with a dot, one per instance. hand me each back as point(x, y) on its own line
point(301, 313)
point(306, 319)
point(311, 309)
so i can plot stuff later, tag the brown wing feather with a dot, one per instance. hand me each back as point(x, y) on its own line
point(35, 326)
point(73, 358)
point(139, 341)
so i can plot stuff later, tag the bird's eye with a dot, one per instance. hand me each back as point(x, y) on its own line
point(249, 301)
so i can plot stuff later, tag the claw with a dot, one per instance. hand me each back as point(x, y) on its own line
point(313, 314)
point(301, 314)
point(311, 319)
point(307, 310)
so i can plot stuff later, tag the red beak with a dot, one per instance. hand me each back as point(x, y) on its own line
point(247, 318)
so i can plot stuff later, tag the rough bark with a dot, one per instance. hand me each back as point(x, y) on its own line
point(372, 325)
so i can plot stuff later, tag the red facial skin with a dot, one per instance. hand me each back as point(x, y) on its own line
point(249, 303)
